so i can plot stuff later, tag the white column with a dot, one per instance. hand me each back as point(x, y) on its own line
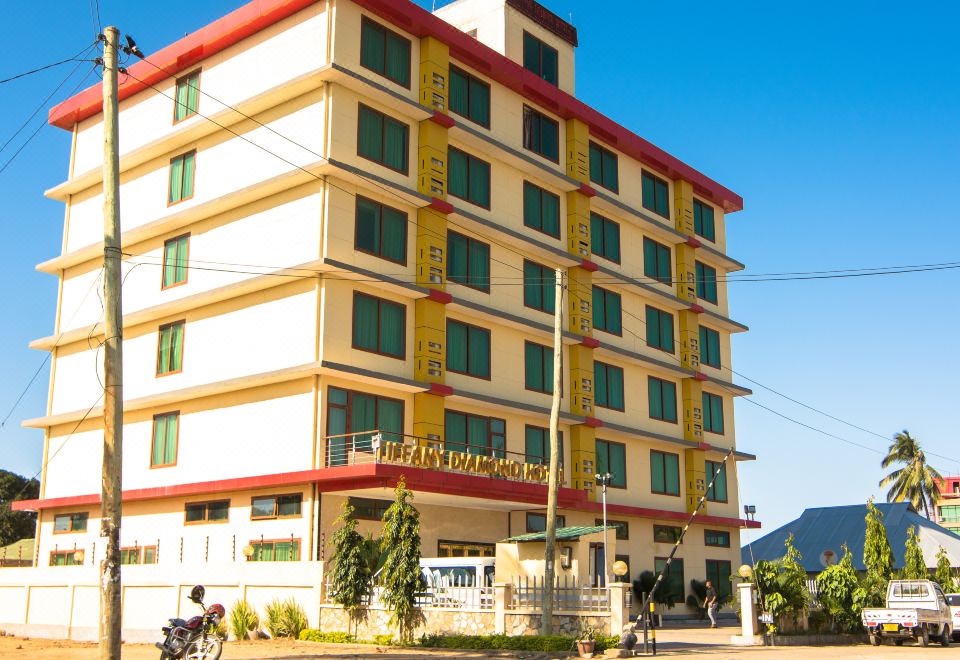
point(748, 617)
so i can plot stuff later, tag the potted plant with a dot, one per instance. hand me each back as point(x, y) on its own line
point(586, 638)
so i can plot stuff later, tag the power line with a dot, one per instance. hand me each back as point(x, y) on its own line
point(42, 68)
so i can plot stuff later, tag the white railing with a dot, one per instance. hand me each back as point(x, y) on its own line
point(528, 593)
point(440, 598)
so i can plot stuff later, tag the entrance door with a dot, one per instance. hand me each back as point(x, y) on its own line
point(598, 563)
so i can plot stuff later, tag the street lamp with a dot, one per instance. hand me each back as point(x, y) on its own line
point(603, 480)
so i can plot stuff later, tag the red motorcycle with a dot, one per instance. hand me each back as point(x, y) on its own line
point(195, 638)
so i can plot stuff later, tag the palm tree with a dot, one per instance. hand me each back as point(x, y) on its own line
point(915, 481)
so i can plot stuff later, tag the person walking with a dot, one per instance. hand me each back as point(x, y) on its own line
point(711, 604)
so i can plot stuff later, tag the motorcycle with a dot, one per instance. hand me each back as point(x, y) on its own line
point(195, 638)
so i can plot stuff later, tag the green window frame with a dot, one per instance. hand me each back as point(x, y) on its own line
point(622, 527)
point(603, 167)
point(474, 434)
point(703, 222)
point(469, 97)
point(206, 512)
point(655, 194)
point(351, 418)
point(660, 329)
point(68, 523)
point(368, 508)
point(380, 230)
point(538, 367)
point(286, 550)
point(66, 558)
point(537, 445)
point(718, 471)
point(186, 97)
point(656, 261)
point(175, 258)
point(539, 289)
point(170, 348)
point(129, 556)
point(382, 139)
point(709, 347)
point(379, 326)
point(541, 210)
point(468, 177)
point(950, 513)
point(716, 538)
point(537, 522)
point(166, 430)
point(664, 473)
point(541, 134)
point(468, 349)
point(662, 397)
point(540, 58)
point(718, 572)
point(270, 507)
point(607, 311)
point(182, 171)
point(608, 386)
point(384, 52)
point(712, 413)
point(605, 237)
point(468, 261)
point(612, 458)
point(706, 282)
point(673, 587)
point(666, 534)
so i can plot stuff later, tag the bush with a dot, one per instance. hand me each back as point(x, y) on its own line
point(544, 644)
point(311, 635)
point(285, 618)
point(243, 619)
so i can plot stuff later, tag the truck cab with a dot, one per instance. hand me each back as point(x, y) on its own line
point(915, 609)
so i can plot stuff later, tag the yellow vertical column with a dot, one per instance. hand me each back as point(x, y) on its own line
point(430, 327)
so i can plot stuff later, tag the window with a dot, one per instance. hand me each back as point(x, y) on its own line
point(673, 585)
point(365, 508)
point(537, 522)
point(187, 96)
point(712, 413)
point(475, 434)
point(351, 414)
point(70, 522)
point(703, 220)
point(541, 210)
point(605, 238)
point(468, 349)
point(469, 97)
point(382, 139)
point(540, 58)
point(718, 493)
point(275, 506)
point(182, 169)
point(130, 555)
point(468, 261)
point(541, 134)
point(612, 458)
point(381, 231)
point(666, 534)
point(537, 445)
point(623, 527)
point(538, 367)
point(709, 347)
point(706, 283)
point(716, 538)
point(655, 194)
point(175, 261)
point(662, 396)
point(718, 572)
point(66, 558)
point(379, 326)
point(659, 329)
point(468, 177)
point(206, 512)
point(170, 348)
point(385, 52)
point(287, 550)
point(608, 381)
point(664, 473)
point(165, 432)
point(465, 549)
point(950, 513)
point(606, 311)
point(656, 261)
point(539, 287)
point(603, 167)
point(149, 554)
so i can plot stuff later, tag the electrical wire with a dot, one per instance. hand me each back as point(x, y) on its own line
point(43, 68)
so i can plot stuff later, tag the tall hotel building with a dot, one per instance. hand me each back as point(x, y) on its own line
point(343, 216)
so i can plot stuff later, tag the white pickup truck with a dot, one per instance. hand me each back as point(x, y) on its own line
point(916, 609)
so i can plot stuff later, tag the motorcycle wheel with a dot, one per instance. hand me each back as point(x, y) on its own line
point(208, 649)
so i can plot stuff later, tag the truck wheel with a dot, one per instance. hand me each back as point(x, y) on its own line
point(898, 642)
point(874, 640)
point(924, 638)
point(945, 637)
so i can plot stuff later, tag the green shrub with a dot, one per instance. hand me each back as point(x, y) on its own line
point(243, 619)
point(543, 644)
point(285, 618)
point(311, 635)
point(383, 640)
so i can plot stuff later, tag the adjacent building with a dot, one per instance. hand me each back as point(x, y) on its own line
point(948, 509)
point(341, 225)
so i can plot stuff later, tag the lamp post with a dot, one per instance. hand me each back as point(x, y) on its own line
point(602, 480)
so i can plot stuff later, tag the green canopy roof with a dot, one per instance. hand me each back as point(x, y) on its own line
point(563, 534)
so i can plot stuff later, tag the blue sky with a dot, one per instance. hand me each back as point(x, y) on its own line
point(838, 124)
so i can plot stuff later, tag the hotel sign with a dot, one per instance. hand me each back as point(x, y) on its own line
point(434, 458)
point(546, 19)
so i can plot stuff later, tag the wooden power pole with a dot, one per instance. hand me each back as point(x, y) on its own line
point(110, 504)
point(553, 483)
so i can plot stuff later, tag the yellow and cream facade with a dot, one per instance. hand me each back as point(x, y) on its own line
point(341, 217)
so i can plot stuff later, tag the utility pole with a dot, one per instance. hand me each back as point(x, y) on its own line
point(553, 483)
point(602, 480)
point(110, 504)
